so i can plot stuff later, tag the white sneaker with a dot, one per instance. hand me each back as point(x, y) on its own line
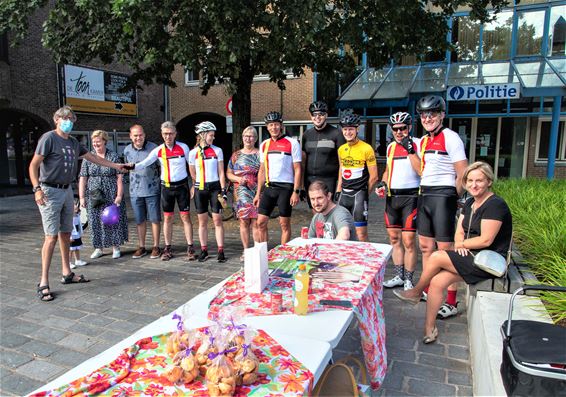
point(424, 297)
point(447, 310)
point(97, 253)
point(72, 265)
point(116, 253)
point(80, 263)
point(394, 282)
point(408, 285)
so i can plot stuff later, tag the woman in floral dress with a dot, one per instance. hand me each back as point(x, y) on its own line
point(93, 176)
point(243, 168)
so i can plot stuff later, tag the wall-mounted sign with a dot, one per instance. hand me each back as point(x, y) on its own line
point(91, 90)
point(483, 92)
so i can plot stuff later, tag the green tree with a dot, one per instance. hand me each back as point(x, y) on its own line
point(231, 41)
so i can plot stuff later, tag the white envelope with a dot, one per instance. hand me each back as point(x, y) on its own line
point(256, 274)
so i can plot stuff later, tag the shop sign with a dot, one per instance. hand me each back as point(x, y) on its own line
point(91, 90)
point(483, 92)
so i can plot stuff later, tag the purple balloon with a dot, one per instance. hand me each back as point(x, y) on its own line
point(110, 215)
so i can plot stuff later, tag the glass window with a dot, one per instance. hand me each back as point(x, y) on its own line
point(191, 77)
point(511, 147)
point(430, 79)
point(530, 32)
point(497, 37)
point(557, 31)
point(544, 141)
point(365, 85)
point(463, 74)
point(497, 73)
point(466, 38)
point(538, 74)
point(397, 83)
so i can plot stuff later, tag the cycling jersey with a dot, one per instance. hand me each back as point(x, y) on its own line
point(438, 155)
point(321, 147)
point(355, 160)
point(205, 160)
point(173, 162)
point(278, 157)
point(401, 174)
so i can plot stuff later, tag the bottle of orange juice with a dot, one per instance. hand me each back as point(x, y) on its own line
point(301, 290)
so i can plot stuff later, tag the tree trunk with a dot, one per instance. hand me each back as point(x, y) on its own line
point(242, 104)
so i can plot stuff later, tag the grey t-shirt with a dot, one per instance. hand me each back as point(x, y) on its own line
point(144, 183)
point(327, 226)
point(60, 163)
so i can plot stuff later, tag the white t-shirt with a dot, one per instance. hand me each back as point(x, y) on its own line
point(439, 156)
point(211, 155)
point(281, 154)
point(401, 173)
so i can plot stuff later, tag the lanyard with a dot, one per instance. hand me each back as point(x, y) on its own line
point(266, 161)
point(166, 176)
point(390, 156)
point(200, 154)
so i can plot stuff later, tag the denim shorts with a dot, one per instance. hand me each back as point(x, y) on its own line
point(146, 208)
point(57, 212)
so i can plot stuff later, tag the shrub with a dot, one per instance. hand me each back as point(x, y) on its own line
point(539, 227)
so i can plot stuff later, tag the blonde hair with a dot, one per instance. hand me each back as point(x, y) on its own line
point(485, 168)
point(251, 129)
point(100, 134)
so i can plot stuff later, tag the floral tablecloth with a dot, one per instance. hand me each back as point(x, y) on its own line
point(365, 295)
point(140, 371)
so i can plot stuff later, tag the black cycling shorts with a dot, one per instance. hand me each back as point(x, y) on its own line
point(279, 196)
point(208, 196)
point(178, 192)
point(330, 182)
point(356, 201)
point(401, 210)
point(437, 207)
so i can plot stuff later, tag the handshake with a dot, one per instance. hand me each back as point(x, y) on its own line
point(129, 166)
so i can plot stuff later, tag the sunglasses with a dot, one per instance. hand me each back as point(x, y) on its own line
point(429, 115)
point(404, 128)
point(318, 114)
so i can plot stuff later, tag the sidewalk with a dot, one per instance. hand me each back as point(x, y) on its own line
point(40, 341)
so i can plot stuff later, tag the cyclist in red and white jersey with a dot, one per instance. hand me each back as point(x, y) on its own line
point(400, 187)
point(206, 165)
point(279, 177)
point(173, 158)
point(443, 162)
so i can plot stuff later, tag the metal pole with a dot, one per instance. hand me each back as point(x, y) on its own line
point(553, 142)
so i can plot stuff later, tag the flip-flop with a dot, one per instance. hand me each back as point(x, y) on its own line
point(70, 279)
point(43, 295)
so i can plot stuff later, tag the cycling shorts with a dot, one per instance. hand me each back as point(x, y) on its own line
point(437, 207)
point(280, 196)
point(208, 196)
point(330, 182)
point(177, 192)
point(401, 210)
point(356, 201)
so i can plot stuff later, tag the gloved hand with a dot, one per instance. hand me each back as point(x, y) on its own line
point(303, 195)
point(408, 144)
point(381, 189)
point(337, 196)
point(224, 194)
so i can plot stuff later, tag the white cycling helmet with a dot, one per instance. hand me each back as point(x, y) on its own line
point(205, 126)
point(400, 118)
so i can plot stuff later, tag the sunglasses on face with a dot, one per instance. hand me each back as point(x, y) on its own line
point(318, 114)
point(396, 129)
point(429, 115)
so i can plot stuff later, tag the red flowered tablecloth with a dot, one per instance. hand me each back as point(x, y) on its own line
point(365, 295)
point(140, 371)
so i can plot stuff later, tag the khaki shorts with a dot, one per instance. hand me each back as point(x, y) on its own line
point(57, 212)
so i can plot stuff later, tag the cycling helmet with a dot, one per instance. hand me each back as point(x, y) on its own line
point(431, 103)
point(273, 117)
point(400, 118)
point(350, 120)
point(205, 126)
point(318, 106)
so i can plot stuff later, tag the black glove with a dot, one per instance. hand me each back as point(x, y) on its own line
point(408, 144)
point(303, 195)
point(337, 196)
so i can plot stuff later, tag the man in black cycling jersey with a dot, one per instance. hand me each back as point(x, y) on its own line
point(443, 162)
point(279, 177)
point(320, 148)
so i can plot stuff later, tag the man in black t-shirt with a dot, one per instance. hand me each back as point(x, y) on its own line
point(320, 149)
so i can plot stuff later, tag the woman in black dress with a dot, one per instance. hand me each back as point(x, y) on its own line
point(485, 223)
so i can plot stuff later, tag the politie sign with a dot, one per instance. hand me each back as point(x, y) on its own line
point(483, 92)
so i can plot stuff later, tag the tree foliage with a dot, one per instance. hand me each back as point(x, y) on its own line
point(231, 41)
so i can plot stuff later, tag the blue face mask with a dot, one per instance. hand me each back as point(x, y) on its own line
point(66, 126)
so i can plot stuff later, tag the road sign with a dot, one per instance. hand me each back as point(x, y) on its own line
point(229, 106)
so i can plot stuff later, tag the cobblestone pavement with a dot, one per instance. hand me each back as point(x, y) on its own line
point(40, 341)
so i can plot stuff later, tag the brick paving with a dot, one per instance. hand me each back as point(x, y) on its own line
point(40, 341)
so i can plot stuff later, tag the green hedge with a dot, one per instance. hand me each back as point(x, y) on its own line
point(539, 222)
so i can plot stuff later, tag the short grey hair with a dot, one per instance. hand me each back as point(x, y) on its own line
point(250, 129)
point(64, 111)
point(170, 125)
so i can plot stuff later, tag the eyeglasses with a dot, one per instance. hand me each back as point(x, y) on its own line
point(248, 137)
point(318, 114)
point(429, 115)
point(404, 128)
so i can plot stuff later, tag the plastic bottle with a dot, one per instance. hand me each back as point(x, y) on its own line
point(301, 299)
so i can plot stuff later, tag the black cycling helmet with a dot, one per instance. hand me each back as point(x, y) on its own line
point(273, 117)
point(318, 106)
point(350, 120)
point(400, 118)
point(431, 103)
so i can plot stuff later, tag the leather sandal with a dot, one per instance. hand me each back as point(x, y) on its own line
point(43, 295)
point(70, 279)
point(431, 338)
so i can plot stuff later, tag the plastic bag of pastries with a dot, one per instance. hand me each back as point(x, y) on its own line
point(220, 375)
point(179, 339)
point(246, 363)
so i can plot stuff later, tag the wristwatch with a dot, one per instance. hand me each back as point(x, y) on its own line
point(298, 191)
point(36, 188)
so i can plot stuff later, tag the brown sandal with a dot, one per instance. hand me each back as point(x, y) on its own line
point(43, 295)
point(70, 279)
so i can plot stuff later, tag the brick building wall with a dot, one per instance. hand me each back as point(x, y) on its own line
point(538, 169)
point(187, 99)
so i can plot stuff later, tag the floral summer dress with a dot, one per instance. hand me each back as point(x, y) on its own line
point(245, 166)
